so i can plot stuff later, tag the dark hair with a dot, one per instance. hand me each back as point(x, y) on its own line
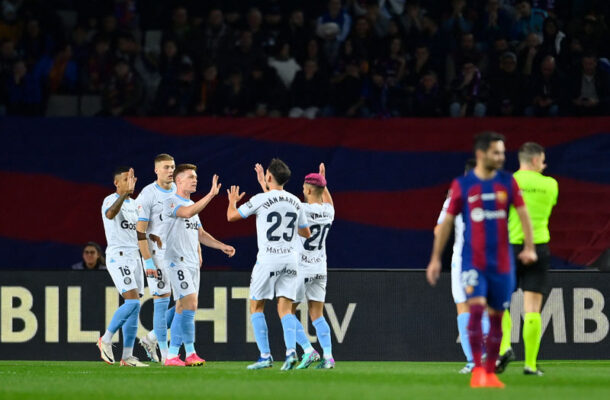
point(100, 254)
point(528, 150)
point(163, 157)
point(120, 170)
point(483, 140)
point(180, 168)
point(470, 164)
point(280, 171)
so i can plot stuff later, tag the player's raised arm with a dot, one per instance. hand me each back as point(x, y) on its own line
point(114, 209)
point(326, 197)
point(234, 196)
point(209, 241)
point(196, 208)
point(260, 176)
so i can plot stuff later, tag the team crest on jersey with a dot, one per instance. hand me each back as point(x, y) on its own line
point(469, 289)
point(160, 285)
point(127, 280)
point(501, 196)
point(184, 285)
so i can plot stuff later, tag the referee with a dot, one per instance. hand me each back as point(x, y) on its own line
point(540, 195)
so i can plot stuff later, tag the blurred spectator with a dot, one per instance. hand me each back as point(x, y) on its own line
point(99, 66)
point(377, 20)
point(23, 93)
point(506, 89)
point(58, 74)
point(544, 91)
point(266, 95)
point(11, 27)
point(233, 100)
point(218, 36)
point(590, 92)
point(295, 33)
point(413, 22)
point(244, 55)
point(495, 23)
point(177, 97)
point(468, 93)
point(456, 22)
point(529, 20)
point(207, 99)
point(362, 40)
point(35, 43)
point(530, 55)
point(254, 23)
point(170, 60)
point(123, 92)
point(312, 52)
point(466, 51)
point(428, 96)
point(308, 92)
point(8, 56)
point(377, 100)
point(180, 30)
point(93, 258)
point(500, 46)
point(284, 64)
point(349, 93)
point(334, 24)
point(418, 66)
point(552, 38)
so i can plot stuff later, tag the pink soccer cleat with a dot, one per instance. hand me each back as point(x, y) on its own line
point(194, 361)
point(174, 362)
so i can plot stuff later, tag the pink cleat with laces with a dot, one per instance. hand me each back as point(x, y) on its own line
point(174, 362)
point(194, 361)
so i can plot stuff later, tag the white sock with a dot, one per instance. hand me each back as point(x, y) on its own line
point(265, 355)
point(164, 353)
point(107, 338)
point(289, 352)
point(308, 350)
point(328, 356)
point(127, 352)
point(152, 336)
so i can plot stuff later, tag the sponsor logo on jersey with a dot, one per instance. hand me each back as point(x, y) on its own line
point(478, 214)
point(127, 225)
point(472, 199)
point(283, 271)
point(191, 225)
point(273, 250)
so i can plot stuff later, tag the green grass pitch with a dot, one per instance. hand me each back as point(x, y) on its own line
point(350, 380)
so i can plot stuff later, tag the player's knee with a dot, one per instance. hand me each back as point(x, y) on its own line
point(131, 295)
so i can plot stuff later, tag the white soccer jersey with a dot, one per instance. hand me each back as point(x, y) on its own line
point(150, 208)
point(181, 234)
point(121, 230)
point(458, 243)
point(278, 214)
point(313, 253)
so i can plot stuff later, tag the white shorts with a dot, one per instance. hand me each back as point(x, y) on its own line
point(126, 271)
point(311, 287)
point(459, 295)
point(184, 278)
point(161, 285)
point(269, 281)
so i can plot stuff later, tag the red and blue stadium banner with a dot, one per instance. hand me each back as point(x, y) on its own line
point(388, 179)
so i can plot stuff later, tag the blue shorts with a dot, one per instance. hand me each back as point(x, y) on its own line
point(496, 288)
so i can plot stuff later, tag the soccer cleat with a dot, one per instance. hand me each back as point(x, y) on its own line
point(174, 362)
point(504, 359)
point(150, 347)
point(492, 381)
point(105, 351)
point(132, 362)
point(467, 368)
point(291, 362)
point(478, 379)
point(536, 372)
point(194, 361)
point(326, 363)
point(309, 359)
point(262, 363)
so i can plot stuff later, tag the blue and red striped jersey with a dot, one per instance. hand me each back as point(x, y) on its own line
point(484, 205)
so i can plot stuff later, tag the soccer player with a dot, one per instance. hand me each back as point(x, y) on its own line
point(184, 234)
point(278, 215)
point(311, 274)
point(123, 263)
point(540, 195)
point(459, 296)
point(483, 197)
point(151, 236)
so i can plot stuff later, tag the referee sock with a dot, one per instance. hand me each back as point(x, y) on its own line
point(532, 329)
point(290, 332)
point(475, 333)
point(175, 337)
point(507, 325)
point(462, 322)
point(130, 330)
point(261, 333)
point(302, 339)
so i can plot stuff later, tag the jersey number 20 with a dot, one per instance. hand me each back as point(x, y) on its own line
point(316, 231)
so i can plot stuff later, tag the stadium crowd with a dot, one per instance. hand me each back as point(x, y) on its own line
point(309, 58)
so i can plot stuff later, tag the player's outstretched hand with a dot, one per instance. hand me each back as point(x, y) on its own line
point(156, 239)
point(215, 189)
point(528, 257)
point(131, 181)
point(260, 176)
point(228, 250)
point(433, 272)
point(234, 195)
point(323, 170)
